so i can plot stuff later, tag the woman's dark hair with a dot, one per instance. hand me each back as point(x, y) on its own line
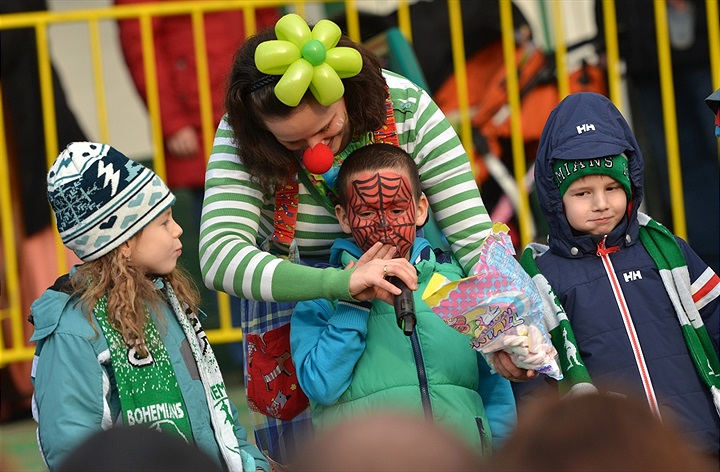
point(265, 158)
point(375, 157)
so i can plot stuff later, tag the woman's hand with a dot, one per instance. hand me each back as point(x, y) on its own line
point(377, 251)
point(184, 143)
point(369, 278)
point(503, 365)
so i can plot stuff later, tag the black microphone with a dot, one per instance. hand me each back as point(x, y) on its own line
point(404, 306)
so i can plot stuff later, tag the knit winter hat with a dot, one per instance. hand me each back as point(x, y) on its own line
point(567, 172)
point(101, 198)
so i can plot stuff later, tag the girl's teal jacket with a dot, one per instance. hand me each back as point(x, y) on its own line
point(353, 358)
point(75, 390)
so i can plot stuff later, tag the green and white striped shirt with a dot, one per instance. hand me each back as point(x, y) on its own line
point(238, 214)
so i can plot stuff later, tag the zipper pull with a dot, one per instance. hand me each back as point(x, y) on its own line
point(604, 251)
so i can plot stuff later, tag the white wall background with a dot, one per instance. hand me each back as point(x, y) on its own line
point(70, 49)
point(128, 123)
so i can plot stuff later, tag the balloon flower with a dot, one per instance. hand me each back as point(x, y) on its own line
point(307, 59)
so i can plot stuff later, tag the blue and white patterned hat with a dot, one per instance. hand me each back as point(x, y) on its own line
point(101, 198)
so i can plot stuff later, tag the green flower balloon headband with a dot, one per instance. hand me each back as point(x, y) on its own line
point(307, 59)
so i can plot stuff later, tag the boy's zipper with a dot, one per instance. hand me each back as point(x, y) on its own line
point(422, 376)
point(483, 439)
point(604, 254)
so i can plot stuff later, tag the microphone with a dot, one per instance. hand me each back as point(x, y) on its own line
point(404, 306)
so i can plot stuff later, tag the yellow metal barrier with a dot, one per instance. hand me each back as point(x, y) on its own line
point(613, 53)
point(513, 94)
point(458, 48)
point(17, 351)
point(671, 133)
point(40, 21)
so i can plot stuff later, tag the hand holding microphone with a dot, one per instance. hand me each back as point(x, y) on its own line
point(404, 306)
point(369, 283)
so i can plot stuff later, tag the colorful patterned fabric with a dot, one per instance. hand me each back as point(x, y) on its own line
point(286, 205)
point(276, 438)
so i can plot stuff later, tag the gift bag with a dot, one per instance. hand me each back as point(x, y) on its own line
point(272, 383)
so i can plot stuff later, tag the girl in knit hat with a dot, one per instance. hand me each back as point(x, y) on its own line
point(630, 307)
point(119, 340)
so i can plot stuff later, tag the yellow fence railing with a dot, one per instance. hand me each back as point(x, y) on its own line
point(13, 342)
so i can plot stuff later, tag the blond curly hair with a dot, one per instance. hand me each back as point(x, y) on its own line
point(130, 292)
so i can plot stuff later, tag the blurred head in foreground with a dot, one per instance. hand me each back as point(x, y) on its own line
point(596, 433)
point(386, 441)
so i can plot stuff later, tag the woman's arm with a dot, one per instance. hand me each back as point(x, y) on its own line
point(231, 262)
point(445, 172)
point(326, 344)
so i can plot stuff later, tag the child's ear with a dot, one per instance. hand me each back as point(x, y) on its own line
point(421, 212)
point(343, 219)
point(126, 249)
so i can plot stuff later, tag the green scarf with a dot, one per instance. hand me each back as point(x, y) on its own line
point(665, 252)
point(155, 405)
point(148, 389)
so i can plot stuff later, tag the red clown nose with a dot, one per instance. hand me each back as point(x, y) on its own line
point(318, 159)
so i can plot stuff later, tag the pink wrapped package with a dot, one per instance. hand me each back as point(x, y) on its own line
point(497, 312)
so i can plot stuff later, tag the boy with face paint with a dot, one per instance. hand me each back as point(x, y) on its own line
point(351, 358)
point(382, 205)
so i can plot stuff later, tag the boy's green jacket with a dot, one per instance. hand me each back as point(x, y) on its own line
point(352, 358)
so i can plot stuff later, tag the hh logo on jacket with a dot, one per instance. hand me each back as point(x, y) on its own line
point(632, 276)
point(586, 127)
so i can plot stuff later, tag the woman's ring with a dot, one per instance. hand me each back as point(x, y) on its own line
point(385, 272)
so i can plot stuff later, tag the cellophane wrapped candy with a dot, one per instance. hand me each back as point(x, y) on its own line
point(498, 307)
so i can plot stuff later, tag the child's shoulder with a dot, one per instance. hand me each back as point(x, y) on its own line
point(450, 268)
point(58, 310)
point(436, 260)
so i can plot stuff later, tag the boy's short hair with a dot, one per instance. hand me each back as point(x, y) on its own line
point(565, 172)
point(375, 157)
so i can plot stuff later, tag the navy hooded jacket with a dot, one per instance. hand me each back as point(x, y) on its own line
point(584, 126)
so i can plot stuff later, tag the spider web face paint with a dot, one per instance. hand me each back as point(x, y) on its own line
point(381, 208)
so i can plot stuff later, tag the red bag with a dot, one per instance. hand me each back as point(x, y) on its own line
point(272, 384)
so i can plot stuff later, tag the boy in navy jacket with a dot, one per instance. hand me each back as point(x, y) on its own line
point(631, 308)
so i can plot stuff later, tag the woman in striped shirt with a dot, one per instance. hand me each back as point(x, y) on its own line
point(257, 147)
point(264, 210)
